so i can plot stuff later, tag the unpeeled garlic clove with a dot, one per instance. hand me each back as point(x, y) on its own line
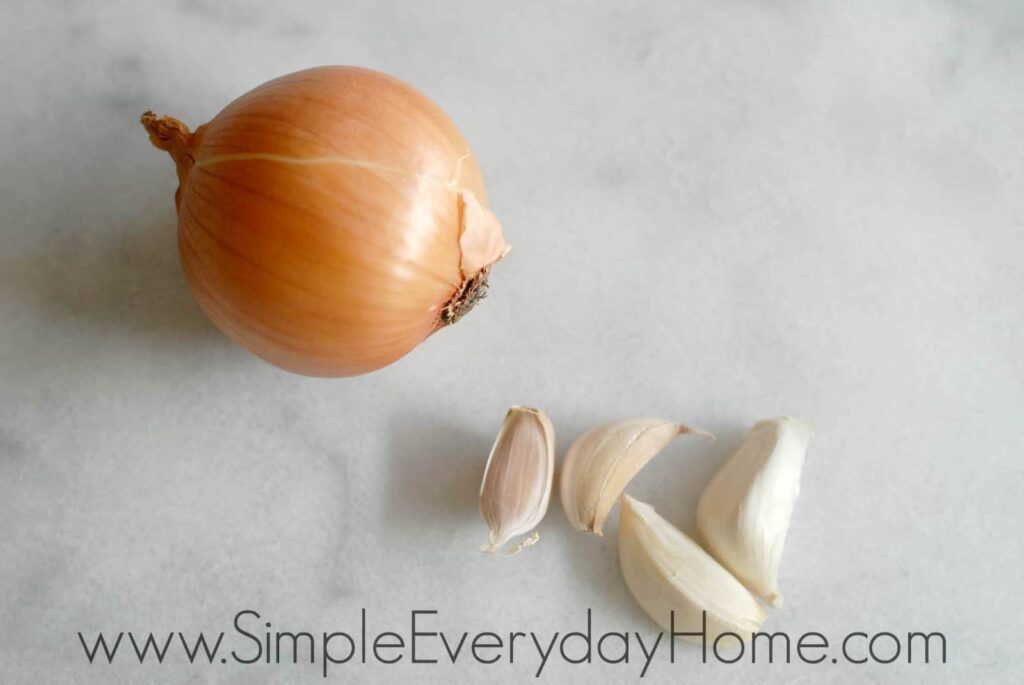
point(603, 460)
point(673, 579)
point(518, 479)
point(744, 513)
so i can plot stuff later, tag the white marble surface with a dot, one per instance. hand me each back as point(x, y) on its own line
point(720, 212)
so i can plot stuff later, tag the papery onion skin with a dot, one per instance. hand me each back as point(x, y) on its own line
point(331, 219)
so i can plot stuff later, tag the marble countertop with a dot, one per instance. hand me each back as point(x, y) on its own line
point(720, 212)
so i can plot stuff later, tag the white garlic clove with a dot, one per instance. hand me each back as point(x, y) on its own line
point(674, 580)
point(744, 513)
point(603, 460)
point(518, 479)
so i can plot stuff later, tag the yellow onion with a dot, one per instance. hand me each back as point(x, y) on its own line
point(330, 220)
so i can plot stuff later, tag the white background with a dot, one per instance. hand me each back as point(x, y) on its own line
point(720, 212)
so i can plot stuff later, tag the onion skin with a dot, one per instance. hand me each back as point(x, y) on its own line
point(330, 220)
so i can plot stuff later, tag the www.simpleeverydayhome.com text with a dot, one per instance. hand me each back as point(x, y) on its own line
point(255, 640)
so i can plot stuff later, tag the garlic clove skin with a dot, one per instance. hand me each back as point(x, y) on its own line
point(604, 460)
point(673, 579)
point(744, 513)
point(517, 483)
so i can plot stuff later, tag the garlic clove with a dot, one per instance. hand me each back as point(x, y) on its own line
point(674, 580)
point(518, 479)
point(744, 513)
point(603, 460)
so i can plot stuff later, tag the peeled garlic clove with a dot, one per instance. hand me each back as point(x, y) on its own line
point(517, 482)
point(603, 460)
point(673, 579)
point(744, 513)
